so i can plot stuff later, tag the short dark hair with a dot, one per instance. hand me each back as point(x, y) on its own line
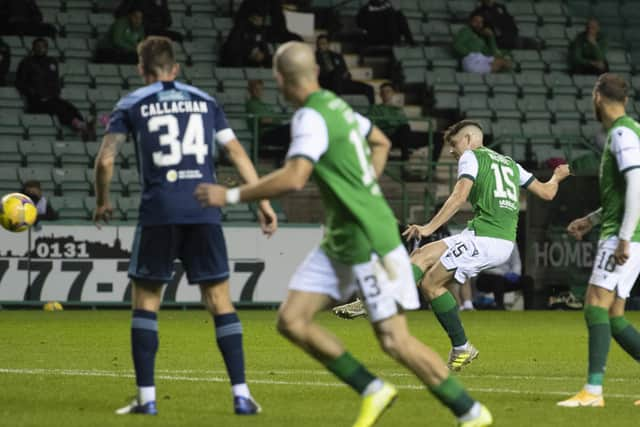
point(612, 87)
point(456, 127)
point(38, 40)
point(386, 84)
point(156, 53)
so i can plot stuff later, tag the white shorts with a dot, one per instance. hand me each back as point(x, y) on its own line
point(469, 254)
point(477, 63)
point(382, 288)
point(611, 276)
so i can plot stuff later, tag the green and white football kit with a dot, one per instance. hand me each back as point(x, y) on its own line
point(621, 154)
point(489, 237)
point(361, 250)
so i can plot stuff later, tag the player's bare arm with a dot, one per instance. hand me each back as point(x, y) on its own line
point(238, 156)
point(453, 204)
point(581, 226)
point(548, 190)
point(291, 177)
point(380, 146)
point(103, 173)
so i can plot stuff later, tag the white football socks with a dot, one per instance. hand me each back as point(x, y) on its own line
point(241, 390)
point(593, 389)
point(146, 394)
point(464, 346)
point(474, 412)
point(373, 386)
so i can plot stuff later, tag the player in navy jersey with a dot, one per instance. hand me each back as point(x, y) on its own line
point(174, 127)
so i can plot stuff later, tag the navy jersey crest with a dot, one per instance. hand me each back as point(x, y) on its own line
point(174, 128)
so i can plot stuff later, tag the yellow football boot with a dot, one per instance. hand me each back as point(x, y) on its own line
point(484, 419)
point(374, 405)
point(583, 398)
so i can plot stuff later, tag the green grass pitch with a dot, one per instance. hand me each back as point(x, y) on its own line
point(73, 369)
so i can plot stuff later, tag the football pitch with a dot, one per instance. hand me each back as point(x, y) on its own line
point(73, 368)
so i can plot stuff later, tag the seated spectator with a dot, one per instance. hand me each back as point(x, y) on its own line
point(383, 24)
point(157, 17)
point(334, 74)
point(500, 21)
point(507, 278)
point(271, 11)
point(38, 81)
point(475, 45)
point(392, 120)
point(5, 62)
point(273, 133)
point(121, 41)
point(588, 51)
point(23, 18)
point(246, 45)
point(34, 191)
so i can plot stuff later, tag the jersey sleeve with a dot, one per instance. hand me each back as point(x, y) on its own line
point(309, 135)
point(625, 146)
point(526, 177)
point(468, 166)
point(224, 133)
point(119, 121)
point(364, 125)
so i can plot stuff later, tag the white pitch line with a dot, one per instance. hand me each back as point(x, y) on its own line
point(122, 374)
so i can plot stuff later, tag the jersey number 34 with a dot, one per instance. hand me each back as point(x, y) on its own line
point(192, 143)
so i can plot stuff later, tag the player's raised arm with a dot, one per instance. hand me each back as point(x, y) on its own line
point(103, 173)
point(545, 190)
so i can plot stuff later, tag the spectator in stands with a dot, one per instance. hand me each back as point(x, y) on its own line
point(38, 81)
point(475, 45)
point(157, 17)
point(23, 17)
point(588, 51)
point(5, 62)
point(273, 133)
point(121, 41)
point(507, 278)
point(34, 191)
point(383, 24)
point(246, 45)
point(334, 74)
point(271, 11)
point(392, 120)
point(499, 20)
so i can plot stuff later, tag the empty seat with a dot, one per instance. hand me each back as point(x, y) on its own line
point(10, 98)
point(75, 72)
point(70, 207)
point(37, 153)
point(9, 154)
point(564, 107)
point(560, 84)
point(523, 11)
point(534, 107)
point(566, 129)
point(70, 153)
point(440, 57)
point(536, 128)
point(528, 59)
point(504, 103)
point(10, 123)
point(38, 125)
point(73, 48)
point(130, 180)
point(472, 102)
point(506, 128)
point(551, 12)
point(555, 59)
point(71, 181)
point(105, 74)
point(41, 173)
point(9, 179)
point(129, 207)
point(553, 35)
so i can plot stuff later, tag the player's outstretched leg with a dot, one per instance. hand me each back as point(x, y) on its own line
point(295, 322)
point(229, 338)
point(396, 340)
point(596, 313)
point(144, 346)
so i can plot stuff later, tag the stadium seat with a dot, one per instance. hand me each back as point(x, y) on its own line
point(103, 98)
point(560, 84)
point(553, 36)
point(105, 74)
point(130, 181)
point(565, 129)
point(8, 178)
point(590, 129)
point(413, 75)
point(505, 106)
point(74, 72)
point(127, 155)
point(69, 153)
point(523, 12)
point(445, 100)
point(360, 103)
point(531, 82)
point(231, 77)
point(440, 57)
point(506, 128)
point(555, 59)
point(472, 102)
point(528, 59)
point(442, 78)
point(70, 207)
point(501, 83)
point(434, 9)
point(129, 207)
point(199, 26)
point(10, 98)
point(75, 24)
point(40, 173)
point(470, 82)
point(436, 32)
point(71, 181)
point(551, 12)
point(38, 125)
point(240, 213)
point(534, 107)
point(404, 54)
point(37, 153)
point(460, 9)
point(223, 25)
point(199, 73)
point(77, 95)
point(9, 153)
point(411, 9)
point(536, 128)
point(73, 48)
point(100, 23)
point(10, 123)
point(585, 106)
point(563, 107)
point(200, 52)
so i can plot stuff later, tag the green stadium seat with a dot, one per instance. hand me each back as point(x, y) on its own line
point(200, 52)
point(415, 26)
point(73, 48)
point(434, 9)
point(8, 178)
point(440, 57)
point(100, 22)
point(446, 100)
point(15, 43)
point(413, 75)
point(70, 207)
point(527, 29)
point(528, 59)
point(472, 102)
point(75, 24)
point(618, 61)
point(10, 123)
point(10, 98)
point(360, 103)
point(442, 78)
point(130, 180)
point(127, 155)
point(555, 59)
point(470, 82)
point(71, 181)
point(403, 53)
point(551, 12)
point(68, 153)
point(523, 11)
point(553, 36)
point(38, 125)
point(531, 82)
point(77, 95)
point(504, 103)
point(585, 106)
point(514, 147)
point(129, 75)
point(560, 84)
point(565, 128)
point(9, 153)
point(199, 73)
point(74, 72)
point(37, 153)
point(534, 107)
point(460, 9)
point(241, 213)
point(264, 74)
point(590, 129)
point(104, 97)
point(201, 7)
point(223, 25)
point(502, 83)
point(231, 77)
point(506, 127)
point(563, 107)
point(411, 9)
point(40, 173)
point(105, 74)
point(129, 207)
point(536, 128)
point(436, 32)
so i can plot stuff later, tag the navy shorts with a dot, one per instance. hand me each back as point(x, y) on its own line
point(200, 247)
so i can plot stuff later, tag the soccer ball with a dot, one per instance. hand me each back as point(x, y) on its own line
point(52, 306)
point(17, 212)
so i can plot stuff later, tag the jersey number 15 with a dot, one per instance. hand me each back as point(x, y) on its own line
point(192, 143)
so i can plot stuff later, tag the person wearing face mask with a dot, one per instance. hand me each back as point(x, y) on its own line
point(120, 43)
point(246, 45)
point(34, 191)
point(588, 51)
point(38, 80)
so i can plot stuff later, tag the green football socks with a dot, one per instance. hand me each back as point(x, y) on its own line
point(351, 372)
point(597, 319)
point(626, 336)
point(451, 393)
point(445, 308)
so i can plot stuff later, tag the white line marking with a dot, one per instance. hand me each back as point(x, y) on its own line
point(213, 379)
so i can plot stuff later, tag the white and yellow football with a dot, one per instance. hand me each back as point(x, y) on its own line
point(17, 212)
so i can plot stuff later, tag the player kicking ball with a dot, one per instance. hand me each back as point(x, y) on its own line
point(617, 263)
point(491, 182)
point(361, 250)
point(174, 126)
